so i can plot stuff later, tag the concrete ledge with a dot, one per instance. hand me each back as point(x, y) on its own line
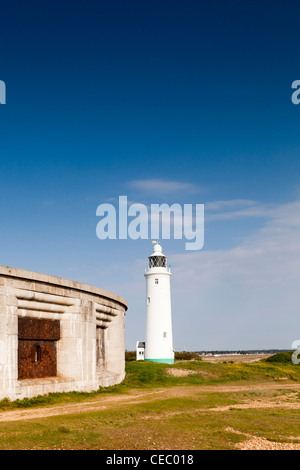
point(6, 271)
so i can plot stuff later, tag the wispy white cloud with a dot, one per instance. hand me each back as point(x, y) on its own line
point(237, 208)
point(234, 203)
point(256, 211)
point(162, 187)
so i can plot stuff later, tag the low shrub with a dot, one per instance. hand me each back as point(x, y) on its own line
point(130, 355)
point(282, 358)
point(186, 356)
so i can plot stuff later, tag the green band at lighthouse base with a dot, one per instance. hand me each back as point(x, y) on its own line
point(166, 361)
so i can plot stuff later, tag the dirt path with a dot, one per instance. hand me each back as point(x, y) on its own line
point(138, 396)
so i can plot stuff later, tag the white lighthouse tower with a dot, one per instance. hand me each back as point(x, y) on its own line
point(159, 338)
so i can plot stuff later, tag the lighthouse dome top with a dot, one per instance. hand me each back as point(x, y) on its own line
point(157, 249)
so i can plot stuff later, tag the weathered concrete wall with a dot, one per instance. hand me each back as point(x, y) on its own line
point(87, 346)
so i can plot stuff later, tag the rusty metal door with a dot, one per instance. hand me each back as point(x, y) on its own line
point(37, 340)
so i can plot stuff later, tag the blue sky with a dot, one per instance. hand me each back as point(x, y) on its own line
point(176, 102)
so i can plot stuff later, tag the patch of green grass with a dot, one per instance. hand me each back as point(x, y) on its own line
point(151, 374)
point(144, 373)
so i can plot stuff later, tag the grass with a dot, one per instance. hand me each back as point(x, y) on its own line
point(147, 375)
point(179, 423)
point(184, 421)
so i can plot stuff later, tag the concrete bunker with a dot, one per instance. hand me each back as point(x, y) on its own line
point(58, 335)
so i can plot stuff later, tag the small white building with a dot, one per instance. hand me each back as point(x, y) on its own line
point(140, 351)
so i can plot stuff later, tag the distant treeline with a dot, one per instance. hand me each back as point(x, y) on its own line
point(130, 355)
point(186, 356)
point(246, 351)
point(179, 356)
point(190, 355)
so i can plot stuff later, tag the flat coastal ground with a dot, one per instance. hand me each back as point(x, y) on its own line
point(189, 405)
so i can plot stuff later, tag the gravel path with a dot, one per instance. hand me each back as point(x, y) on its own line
point(260, 443)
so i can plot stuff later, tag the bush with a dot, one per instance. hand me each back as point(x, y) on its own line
point(282, 358)
point(186, 356)
point(130, 355)
point(179, 356)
